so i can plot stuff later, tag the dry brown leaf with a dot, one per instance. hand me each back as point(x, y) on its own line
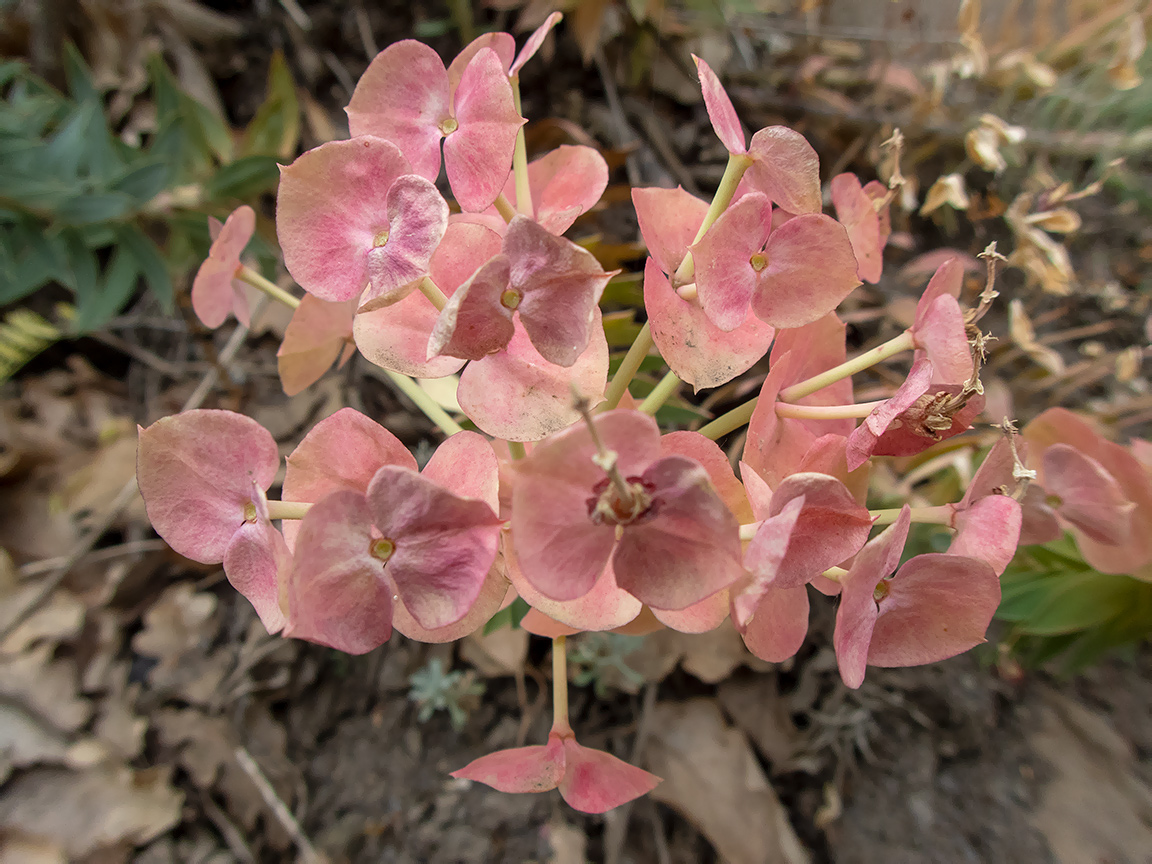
point(175, 623)
point(1129, 49)
point(949, 190)
point(58, 620)
point(711, 777)
point(567, 843)
point(84, 811)
point(26, 740)
point(714, 655)
point(1096, 808)
point(497, 654)
point(28, 850)
point(1060, 221)
point(120, 728)
point(1024, 337)
point(205, 744)
point(755, 705)
point(45, 686)
point(92, 487)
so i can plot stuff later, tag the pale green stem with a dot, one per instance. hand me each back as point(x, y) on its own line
point(632, 360)
point(520, 160)
point(504, 208)
point(516, 448)
point(288, 509)
point(660, 393)
point(941, 515)
point(733, 420)
point(247, 274)
point(425, 403)
point(836, 574)
point(826, 412)
point(738, 163)
point(879, 354)
point(560, 686)
point(432, 291)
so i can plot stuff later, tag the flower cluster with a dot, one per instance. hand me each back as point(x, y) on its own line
point(574, 498)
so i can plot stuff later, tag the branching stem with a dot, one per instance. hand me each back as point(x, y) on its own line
point(425, 403)
point(879, 354)
point(660, 394)
point(826, 412)
point(731, 421)
point(288, 509)
point(738, 163)
point(247, 274)
point(628, 368)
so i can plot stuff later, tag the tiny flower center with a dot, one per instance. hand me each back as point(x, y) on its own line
point(881, 590)
point(382, 548)
point(609, 507)
point(250, 511)
point(380, 239)
point(511, 298)
point(1054, 501)
point(758, 261)
point(448, 125)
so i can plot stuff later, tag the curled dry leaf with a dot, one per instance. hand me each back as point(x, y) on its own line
point(948, 189)
point(45, 686)
point(711, 777)
point(85, 811)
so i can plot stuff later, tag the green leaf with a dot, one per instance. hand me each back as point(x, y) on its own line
point(151, 263)
point(80, 269)
point(510, 616)
point(211, 128)
point(79, 76)
point(275, 130)
point(144, 182)
point(90, 209)
point(65, 151)
point(244, 179)
point(1077, 601)
point(10, 70)
point(116, 288)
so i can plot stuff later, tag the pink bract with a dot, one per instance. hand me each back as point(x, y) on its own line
point(318, 334)
point(565, 183)
point(350, 216)
point(936, 606)
point(517, 395)
point(868, 228)
point(590, 781)
point(681, 547)
point(698, 351)
point(337, 593)
point(405, 97)
point(396, 337)
point(203, 475)
point(215, 290)
point(790, 276)
point(938, 331)
point(864, 438)
point(784, 165)
point(550, 283)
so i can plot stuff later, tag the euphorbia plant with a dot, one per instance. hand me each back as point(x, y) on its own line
point(574, 498)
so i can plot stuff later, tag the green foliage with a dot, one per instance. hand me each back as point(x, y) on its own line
point(594, 654)
point(1057, 606)
point(82, 209)
point(433, 689)
point(510, 616)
